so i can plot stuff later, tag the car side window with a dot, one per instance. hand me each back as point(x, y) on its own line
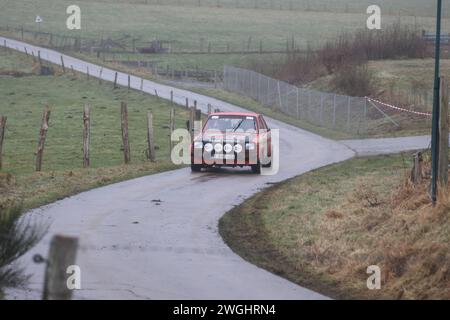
point(260, 124)
point(263, 123)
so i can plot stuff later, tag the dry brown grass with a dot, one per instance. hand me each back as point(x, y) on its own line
point(400, 231)
point(12, 73)
point(341, 55)
point(330, 225)
point(8, 193)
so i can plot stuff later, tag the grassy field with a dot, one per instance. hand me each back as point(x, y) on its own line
point(323, 229)
point(23, 102)
point(410, 7)
point(186, 27)
point(189, 25)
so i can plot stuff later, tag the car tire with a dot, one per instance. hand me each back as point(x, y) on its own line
point(267, 165)
point(196, 167)
point(256, 168)
point(267, 160)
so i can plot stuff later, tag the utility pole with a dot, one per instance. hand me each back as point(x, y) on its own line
point(436, 102)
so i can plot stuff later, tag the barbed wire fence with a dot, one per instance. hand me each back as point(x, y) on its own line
point(348, 114)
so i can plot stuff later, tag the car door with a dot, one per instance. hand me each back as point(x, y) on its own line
point(268, 133)
point(264, 135)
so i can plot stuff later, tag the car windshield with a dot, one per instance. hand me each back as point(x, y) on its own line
point(228, 123)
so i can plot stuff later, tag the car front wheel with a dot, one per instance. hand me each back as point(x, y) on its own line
point(196, 167)
point(256, 168)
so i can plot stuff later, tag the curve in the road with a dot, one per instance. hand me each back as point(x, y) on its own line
point(156, 237)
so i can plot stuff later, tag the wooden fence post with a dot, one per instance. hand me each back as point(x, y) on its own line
point(191, 122)
point(198, 115)
point(187, 103)
point(171, 97)
point(125, 141)
point(171, 128)
point(39, 59)
point(62, 64)
point(197, 122)
point(87, 72)
point(42, 137)
point(443, 134)
point(129, 82)
point(86, 135)
point(150, 140)
point(416, 171)
point(115, 81)
point(142, 85)
point(100, 76)
point(2, 136)
point(62, 254)
point(209, 108)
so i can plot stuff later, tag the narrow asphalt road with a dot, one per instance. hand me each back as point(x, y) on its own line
point(156, 237)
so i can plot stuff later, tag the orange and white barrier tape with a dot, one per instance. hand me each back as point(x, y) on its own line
point(426, 114)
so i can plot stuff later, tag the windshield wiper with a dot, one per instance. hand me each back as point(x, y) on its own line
point(238, 125)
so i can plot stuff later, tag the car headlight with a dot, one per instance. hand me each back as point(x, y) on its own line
point(208, 147)
point(228, 148)
point(238, 148)
point(218, 147)
point(250, 146)
point(198, 145)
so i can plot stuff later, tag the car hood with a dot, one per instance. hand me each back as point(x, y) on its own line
point(226, 137)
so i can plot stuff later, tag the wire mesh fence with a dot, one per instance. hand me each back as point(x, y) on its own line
point(354, 115)
point(328, 110)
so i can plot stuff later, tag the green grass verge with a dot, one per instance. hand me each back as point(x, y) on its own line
point(278, 228)
point(324, 228)
point(10, 61)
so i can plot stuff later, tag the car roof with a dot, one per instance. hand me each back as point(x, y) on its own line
point(240, 114)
